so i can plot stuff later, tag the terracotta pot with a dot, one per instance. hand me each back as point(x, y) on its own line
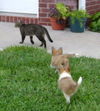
point(55, 25)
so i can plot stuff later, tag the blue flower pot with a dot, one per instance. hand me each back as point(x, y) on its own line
point(76, 26)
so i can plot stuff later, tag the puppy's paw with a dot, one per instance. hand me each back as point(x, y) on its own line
point(52, 66)
point(77, 55)
point(1, 49)
point(56, 71)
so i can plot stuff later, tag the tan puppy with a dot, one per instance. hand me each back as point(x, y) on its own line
point(67, 85)
point(58, 58)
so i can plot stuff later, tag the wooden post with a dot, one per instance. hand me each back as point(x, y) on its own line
point(82, 4)
point(77, 4)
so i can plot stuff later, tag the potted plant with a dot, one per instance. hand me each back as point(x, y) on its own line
point(77, 20)
point(95, 22)
point(58, 16)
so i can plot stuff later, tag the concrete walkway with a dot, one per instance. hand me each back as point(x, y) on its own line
point(86, 44)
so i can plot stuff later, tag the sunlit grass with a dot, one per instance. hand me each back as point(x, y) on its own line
point(27, 83)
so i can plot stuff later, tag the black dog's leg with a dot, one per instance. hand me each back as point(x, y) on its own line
point(44, 42)
point(31, 39)
point(41, 44)
point(41, 38)
point(23, 38)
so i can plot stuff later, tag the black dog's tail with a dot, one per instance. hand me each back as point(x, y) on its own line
point(46, 31)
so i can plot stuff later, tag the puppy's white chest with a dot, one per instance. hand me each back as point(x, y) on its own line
point(63, 75)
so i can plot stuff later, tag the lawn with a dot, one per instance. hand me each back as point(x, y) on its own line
point(27, 83)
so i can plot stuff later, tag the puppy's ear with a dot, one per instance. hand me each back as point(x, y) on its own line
point(60, 51)
point(53, 51)
point(60, 68)
point(67, 67)
point(52, 48)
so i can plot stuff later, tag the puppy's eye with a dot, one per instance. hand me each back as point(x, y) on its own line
point(62, 64)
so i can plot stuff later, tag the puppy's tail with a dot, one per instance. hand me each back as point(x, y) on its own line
point(71, 55)
point(79, 82)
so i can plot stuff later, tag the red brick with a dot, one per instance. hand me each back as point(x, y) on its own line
point(18, 18)
point(90, 3)
point(49, 24)
point(93, 6)
point(47, 1)
point(26, 20)
point(41, 23)
point(15, 19)
point(51, 5)
point(11, 19)
point(44, 10)
point(96, 7)
point(44, 20)
point(42, 5)
point(90, 0)
point(98, 2)
point(43, 15)
point(30, 20)
point(7, 18)
point(37, 21)
point(3, 18)
point(34, 21)
point(91, 12)
point(89, 8)
point(22, 19)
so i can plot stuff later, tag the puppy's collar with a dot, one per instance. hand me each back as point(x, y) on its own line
point(64, 75)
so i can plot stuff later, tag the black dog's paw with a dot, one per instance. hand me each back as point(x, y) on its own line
point(32, 42)
point(21, 42)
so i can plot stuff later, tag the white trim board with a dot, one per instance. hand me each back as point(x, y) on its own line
point(20, 6)
point(18, 14)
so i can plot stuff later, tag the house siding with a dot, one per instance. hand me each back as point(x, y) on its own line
point(92, 6)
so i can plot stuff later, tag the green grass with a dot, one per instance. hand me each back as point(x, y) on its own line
point(27, 83)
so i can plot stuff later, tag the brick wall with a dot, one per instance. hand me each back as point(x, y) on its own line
point(44, 6)
point(4, 18)
point(71, 3)
point(93, 6)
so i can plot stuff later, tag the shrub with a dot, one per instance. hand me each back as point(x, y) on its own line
point(95, 24)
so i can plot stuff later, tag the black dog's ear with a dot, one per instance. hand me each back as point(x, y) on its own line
point(18, 23)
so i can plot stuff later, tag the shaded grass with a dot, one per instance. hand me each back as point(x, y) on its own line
point(27, 83)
